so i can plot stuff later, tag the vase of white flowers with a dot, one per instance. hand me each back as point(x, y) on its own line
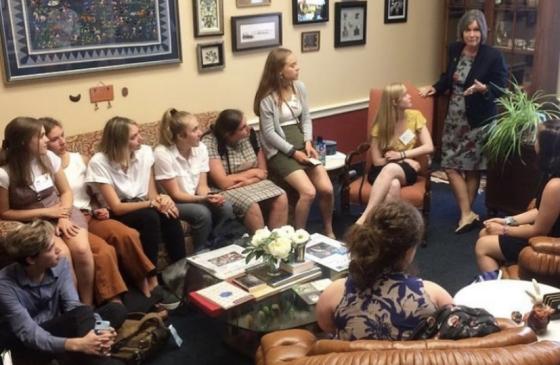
point(275, 246)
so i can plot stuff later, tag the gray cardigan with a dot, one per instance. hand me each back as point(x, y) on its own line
point(273, 138)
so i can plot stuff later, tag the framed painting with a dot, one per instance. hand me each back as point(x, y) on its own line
point(256, 31)
point(208, 17)
point(59, 37)
point(310, 11)
point(248, 3)
point(210, 56)
point(350, 23)
point(310, 41)
point(396, 11)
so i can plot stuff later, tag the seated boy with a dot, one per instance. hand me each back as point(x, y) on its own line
point(41, 315)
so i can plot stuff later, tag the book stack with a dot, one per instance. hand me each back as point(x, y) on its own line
point(282, 277)
point(224, 263)
point(249, 283)
point(297, 267)
point(327, 252)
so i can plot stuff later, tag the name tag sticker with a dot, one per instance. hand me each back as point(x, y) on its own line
point(42, 182)
point(407, 137)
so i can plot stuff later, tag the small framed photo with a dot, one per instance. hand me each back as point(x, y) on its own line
point(248, 3)
point(310, 41)
point(208, 16)
point(256, 31)
point(350, 23)
point(210, 56)
point(310, 11)
point(396, 11)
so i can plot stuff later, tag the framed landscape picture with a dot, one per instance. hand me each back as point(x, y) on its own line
point(208, 17)
point(256, 31)
point(310, 11)
point(52, 38)
point(396, 11)
point(210, 56)
point(350, 23)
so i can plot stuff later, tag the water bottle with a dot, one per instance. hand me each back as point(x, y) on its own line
point(321, 150)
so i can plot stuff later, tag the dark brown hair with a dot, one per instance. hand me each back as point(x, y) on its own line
point(382, 242)
point(15, 154)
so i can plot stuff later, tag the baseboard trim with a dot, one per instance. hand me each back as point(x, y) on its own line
point(327, 110)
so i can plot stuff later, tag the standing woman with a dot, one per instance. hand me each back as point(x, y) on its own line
point(181, 167)
point(474, 75)
point(102, 229)
point(238, 169)
point(122, 171)
point(33, 186)
point(394, 148)
point(286, 129)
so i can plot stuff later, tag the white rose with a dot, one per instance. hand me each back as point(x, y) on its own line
point(260, 236)
point(280, 247)
point(284, 231)
point(300, 236)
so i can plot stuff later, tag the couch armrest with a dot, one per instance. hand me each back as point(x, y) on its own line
point(541, 260)
point(282, 346)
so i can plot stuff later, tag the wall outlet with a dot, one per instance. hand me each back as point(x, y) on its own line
point(98, 94)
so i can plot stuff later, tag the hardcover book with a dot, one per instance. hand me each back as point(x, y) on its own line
point(223, 263)
point(282, 277)
point(311, 291)
point(297, 267)
point(225, 294)
point(249, 282)
point(327, 252)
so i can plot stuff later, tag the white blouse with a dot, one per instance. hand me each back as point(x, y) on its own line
point(169, 163)
point(130, 184)
point(76, 175)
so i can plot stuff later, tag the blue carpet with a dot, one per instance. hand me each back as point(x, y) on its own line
point(447, 260)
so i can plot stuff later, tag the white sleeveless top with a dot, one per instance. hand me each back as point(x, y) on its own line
point(76, 175)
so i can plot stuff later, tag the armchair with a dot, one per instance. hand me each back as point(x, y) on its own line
point(356, 189)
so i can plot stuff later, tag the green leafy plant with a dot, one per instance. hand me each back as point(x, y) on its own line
point(516, 124)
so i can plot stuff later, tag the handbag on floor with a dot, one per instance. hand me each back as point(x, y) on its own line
point(140, 336)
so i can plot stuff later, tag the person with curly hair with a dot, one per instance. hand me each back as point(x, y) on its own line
point(379, 299)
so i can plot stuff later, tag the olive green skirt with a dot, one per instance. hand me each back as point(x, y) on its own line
point(281, 164)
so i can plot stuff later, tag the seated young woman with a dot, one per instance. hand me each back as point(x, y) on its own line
point(394, 135)
point(33, 186)
point(238, 170)
point(125, 240)
point(502, 239)
point(122, 170)
point(379, 300)
point(181, 167)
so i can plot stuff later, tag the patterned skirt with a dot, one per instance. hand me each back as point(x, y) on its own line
point(242, 198)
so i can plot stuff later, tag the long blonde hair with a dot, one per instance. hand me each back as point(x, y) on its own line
point(114, 142)
point(387, 115)
point(173, 123)
point(271, 79)
point(15, 154)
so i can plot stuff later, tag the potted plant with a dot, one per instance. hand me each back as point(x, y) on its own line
point(512, 175)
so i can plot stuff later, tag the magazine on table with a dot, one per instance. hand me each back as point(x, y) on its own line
point(225, 294)
point(224, 263)
point(327, 252)
point(311, 291)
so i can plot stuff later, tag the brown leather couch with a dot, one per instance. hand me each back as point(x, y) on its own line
point(512, 346)
point(540, 260)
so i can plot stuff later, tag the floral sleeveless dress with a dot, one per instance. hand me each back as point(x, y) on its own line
point(461, 145)
point(389, 310)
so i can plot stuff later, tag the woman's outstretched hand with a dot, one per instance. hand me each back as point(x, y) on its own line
point(426, 91)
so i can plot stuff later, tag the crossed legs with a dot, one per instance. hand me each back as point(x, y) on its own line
point(488, 252)
point(277, 216)
point(386, 186)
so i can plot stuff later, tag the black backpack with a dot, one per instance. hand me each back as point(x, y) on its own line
point(455, 322)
